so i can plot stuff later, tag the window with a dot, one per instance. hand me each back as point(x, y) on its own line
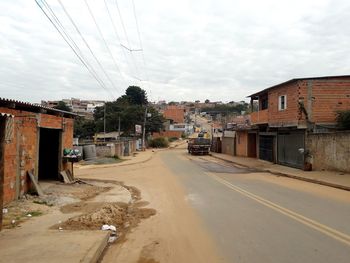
point(282, 102)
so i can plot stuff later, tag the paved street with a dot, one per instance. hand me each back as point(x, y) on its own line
point(255, 217)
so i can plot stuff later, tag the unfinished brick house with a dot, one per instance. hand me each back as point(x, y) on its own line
point(290, 111)
point(32, 139)
point(175, 113)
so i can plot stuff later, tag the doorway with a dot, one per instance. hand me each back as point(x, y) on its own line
point(252, 145)
point(49, 154)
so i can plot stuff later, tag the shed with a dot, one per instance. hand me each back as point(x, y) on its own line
point(32, 138)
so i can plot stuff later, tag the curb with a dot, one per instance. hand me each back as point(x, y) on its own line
point(93, 256)
point(310, 180)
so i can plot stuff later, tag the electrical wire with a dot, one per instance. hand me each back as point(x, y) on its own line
point(104, 40)
point(66, 38)
point(117, 35)
point(86, 43)
point(126, 36)
point(139, 36)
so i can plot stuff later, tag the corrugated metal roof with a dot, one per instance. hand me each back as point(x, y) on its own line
point(4, 114)
point(296, 79)
point(33, 107)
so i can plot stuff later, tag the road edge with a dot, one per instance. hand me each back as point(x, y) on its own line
point(310, 180)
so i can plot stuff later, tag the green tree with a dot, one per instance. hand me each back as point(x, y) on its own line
point(343, 120)
point(84, 128)
point(136, 95)
point(130, 108)
point(62, 106)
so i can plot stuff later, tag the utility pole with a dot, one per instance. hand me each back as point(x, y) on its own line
point(104, 123)
point(144, 132)
point(119, 127)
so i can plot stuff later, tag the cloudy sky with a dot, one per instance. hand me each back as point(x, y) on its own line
point(195, 49)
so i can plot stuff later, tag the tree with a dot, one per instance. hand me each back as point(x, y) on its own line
point(136, 95)
point(130, 110)
point(84, 128)
point(62, 106)
point(206, 101)
point(343, 119)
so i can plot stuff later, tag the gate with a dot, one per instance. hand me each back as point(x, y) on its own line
point(289, 145)
point(266, 148)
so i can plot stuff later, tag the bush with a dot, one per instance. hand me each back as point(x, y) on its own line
point(343, 120)
point(160, 142)
point(172, 139)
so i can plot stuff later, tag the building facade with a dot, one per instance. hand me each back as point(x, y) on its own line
point(33, 139)
point(290, 111)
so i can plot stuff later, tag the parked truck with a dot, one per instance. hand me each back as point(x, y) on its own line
point(199, 145)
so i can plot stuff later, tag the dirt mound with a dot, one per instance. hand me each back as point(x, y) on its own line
point(107, 214)
point(121, 215)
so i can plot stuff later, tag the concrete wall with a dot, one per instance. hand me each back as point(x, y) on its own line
point(228, 145)
point(329, 151)
point(22, 148)
point(123, 148)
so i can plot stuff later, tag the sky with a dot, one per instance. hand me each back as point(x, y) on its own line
point(221, 50)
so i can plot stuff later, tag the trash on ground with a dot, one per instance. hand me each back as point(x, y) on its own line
point(5, 210)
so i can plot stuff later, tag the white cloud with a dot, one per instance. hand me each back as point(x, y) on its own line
point(220, 50)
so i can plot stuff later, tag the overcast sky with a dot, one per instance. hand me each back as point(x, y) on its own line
point(220, 50)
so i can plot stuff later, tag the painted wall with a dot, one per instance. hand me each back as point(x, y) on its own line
point(242, 143)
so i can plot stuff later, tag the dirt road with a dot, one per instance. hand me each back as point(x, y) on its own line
point(174, 234)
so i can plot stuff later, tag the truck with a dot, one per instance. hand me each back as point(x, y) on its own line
point(199, 145)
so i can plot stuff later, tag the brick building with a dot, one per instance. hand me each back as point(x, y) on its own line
point(175, 113)
point(32, 139)
point(290, 111)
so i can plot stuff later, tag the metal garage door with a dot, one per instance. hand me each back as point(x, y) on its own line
point(288, 149)
point(266, 148)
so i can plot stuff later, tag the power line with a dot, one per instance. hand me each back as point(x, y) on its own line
point(86, 44)
point(117, 35)
point(126, 36)
point(104, 40)
point(139, 36)
point(65, 37)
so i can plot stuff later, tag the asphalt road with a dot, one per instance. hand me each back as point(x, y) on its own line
point(258, 217)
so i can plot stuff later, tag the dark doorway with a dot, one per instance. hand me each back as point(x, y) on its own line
point(266, 151)
point(252, 145)
point(2, 153)
point(49, 152)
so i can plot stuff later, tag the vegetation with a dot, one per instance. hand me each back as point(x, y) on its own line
point(160, 142)
point(343, 120)
point(62, 106)
point(173, 139)
point(227, 108)
point(129, 108)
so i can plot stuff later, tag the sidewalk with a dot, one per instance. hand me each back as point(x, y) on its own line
point(328, 178)
point(136, 158)
point(35, 242)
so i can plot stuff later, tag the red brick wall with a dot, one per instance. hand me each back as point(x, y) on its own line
point(175, 113)
point(286, 117)
point(168, 134)
point(328, 97)
point(22, 150)
point(242, 143)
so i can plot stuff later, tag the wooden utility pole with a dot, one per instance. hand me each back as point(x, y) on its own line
point(144, 132)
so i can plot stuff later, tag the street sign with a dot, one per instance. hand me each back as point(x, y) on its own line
point(138, 129)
